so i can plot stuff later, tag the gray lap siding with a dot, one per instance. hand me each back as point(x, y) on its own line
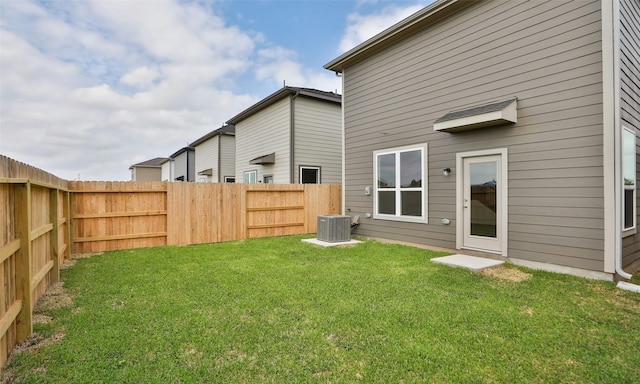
point(548, 55)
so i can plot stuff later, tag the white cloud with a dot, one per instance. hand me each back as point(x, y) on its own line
point(141, 77)
point(364, 26)
point(279, 65)
point(93, 87)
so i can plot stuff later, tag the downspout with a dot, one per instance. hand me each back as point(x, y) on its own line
point(344, 145)
point(615, 24)
point(292, 145)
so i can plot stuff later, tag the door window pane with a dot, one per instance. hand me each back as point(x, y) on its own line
point(483, 203)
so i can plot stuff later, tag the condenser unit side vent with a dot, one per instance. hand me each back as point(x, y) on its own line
point(334, 228)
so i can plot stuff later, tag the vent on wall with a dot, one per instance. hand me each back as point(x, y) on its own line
point(334, 228)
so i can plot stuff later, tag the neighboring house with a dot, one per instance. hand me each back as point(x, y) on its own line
point(292, 136)
point(504, 127)
point(183, 165)
point(150, 170)
point(215, 156)
point(167, 170)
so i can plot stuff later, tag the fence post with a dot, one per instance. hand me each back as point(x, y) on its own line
point(66, 211)
point(54, 213)
point(24, 325)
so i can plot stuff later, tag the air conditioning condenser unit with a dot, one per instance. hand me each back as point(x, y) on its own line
point(334, 228)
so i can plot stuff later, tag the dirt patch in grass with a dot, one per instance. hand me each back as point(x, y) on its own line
point(77, 256)
point(54, 298)
point(506, 274)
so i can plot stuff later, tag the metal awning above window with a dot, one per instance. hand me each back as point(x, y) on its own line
point(487, 115)
point(206, 172)
point(264, 160)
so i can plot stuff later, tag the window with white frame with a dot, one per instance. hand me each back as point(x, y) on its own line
point(629, 176)
point(309, 175)
point(250, 176)
point(401, 183)
point(229, 179)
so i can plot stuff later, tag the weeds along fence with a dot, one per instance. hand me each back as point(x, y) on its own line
point(45, 219)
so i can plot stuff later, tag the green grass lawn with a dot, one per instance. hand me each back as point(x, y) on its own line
point(281, 311)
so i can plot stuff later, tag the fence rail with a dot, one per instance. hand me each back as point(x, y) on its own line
point(45, 219)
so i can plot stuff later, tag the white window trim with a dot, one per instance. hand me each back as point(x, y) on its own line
point(226, 179)
point(633, 229)
point(424, 218)
point(308, 167)
point(255, 176)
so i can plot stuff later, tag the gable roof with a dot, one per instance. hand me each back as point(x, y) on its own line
point(181, 151)
point(152, 163)
point(437, 11)
point(228, 129)
point(281, 94)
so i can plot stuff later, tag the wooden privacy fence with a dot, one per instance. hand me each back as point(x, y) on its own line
point(44, 219)
point(34, 239)
point(123, 215)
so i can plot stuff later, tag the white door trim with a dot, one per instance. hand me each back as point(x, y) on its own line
point(503, 186)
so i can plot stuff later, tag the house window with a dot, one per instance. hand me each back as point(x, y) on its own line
point(629, 175)
point(250, 176)
point(229, 179)
point(309, 175)
point(400, 184)
point(267, 179)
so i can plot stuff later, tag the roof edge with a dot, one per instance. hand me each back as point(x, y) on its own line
point(281, 94)
point(431, 14)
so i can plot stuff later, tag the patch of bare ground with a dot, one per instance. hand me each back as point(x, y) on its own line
point(506, 274)
point(54, 298)
point(77, 256)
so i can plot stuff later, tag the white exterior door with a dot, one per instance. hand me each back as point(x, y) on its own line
point(482, 203)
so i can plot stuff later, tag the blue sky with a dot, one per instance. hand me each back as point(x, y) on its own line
point(88, 88)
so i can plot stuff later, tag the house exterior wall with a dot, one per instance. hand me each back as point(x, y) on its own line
point(630, 99)
point(167, 171)
point(184, 165)
point(548, 55)
point(262, 133)
point(146, 174)
point(206, 157)
point(318, 139)
point(227, 157)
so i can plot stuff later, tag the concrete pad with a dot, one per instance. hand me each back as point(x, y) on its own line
point(328, 244)
point(473, 263)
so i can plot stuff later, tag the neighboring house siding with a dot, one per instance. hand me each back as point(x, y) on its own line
point(548, 55)
point(227, 157)
point(262, 133)
point(318, 138)
point(630, 97)
point(207, 158)
point(147, 174)
point(167, 171)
